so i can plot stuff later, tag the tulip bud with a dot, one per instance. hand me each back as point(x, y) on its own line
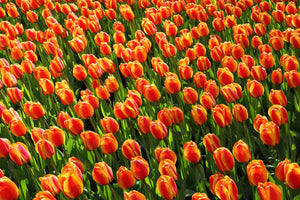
point(199, 79)
point(134, 195)
point(226, 189)
point(90, 139)
point(49, 183)
point(151, 93)
point(144, 124)
point(108, 143)
point(17, 128)
point(268, 191)
point(190, 95)
point(18, 152)
point(9, 189)
point(211, 142)
point(61, 118)
point(191, 152)
point(131, 149)
point(213, 180)
point(70, 184)
point(125, 178)
point(4, 147)
point(74, 125)
point(212, 87)
point(139, 167)
point(84, 110)
point(240, 113)
point(45, 148)
point(199, 114)
point(225, 77)
point(278, 114)
point(292, 78)
point(199, 196)
point(281, 169)
point(102, 173)
point(158, 130)
point(257, 172)
point(166, 187)
point(241, 152)
point(269, 133)
point(222, 115)
point(224, 159)
point(14, 94)
point(255, 88)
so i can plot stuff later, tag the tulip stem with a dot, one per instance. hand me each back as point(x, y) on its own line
point(97, 157)
point(247, 135)
point(147, 186)
point(150, 142)
point(37, 187)
point(166, 142)
point(93, 125)
point(179, 101)
point(64, 152)
point(203, 179)
point(53, 166)
point(262, 106)
point(277, 151)
point(54, 105)
point(46, 122)
point(112, 191)
point(115, 160)
point(3, 97)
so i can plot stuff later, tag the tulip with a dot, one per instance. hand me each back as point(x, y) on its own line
point(212, 87)
point(268, 190)
point(9, 190)
point(40, 73)
point(77, 163)
point(90, 139)
point(144, 124)
point(257, 172)
point(167, 167)
point(9, 79)
point(108, 143)
point(255, 88)
point(17, 128)
point(66, 96)
point(203, 63)
point(134, 195)
point(102, 173)
point(200, 196)
point(10, 115)
point(222, 115)
point(158, 130)
point(226, 189)
point(49, 183)
point(172, 84)
point(61, 118)
point(18, 152)
point(74, 125)
point(4, 147)
point(241, 152)
point(46, 86)
point(199, 79)
point(224, 159)
point(34, 109)
point(112, 84)
point(292, 176)
point(151, 93)
point(166, 187)
point(240, 113)
point(14, 94)
point(190, 95)
point(191, 152)
point(269, 133)
point(79, 72)
point(131, 149)
point(84, 110)
point(70, 184)
point(278, 114)
point(232, 92)
point(125, 178)
point(277, 97)
point(225, 77)
point(45, 148)
point(281, 169)
point(211, 142)
point(139, 167)
point(292, 78)
point(165, 153)
point(44, 195)
point(213, 180)
point(109, 124)
point(199, 114)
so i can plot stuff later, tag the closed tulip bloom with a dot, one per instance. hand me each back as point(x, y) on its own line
point(191, 152)
point(14, 94)
point(224, 159)
point(9, 190)
point(257, 172)
point(45, 148)
point(269, 133)
point(268, 191)
point(292, 176)
point(158, 129)
point(203, 63)
point(70, 184)
point(166, 187)
point(72, 168)
point(49, 183)
point(212, 87)
point(227, 189)
point(292, 78)
point(165, 116)
point(139, 167)
point(112, 84)
point(108, 143)
point(243, 70)
point(18, 152)
point(109, 124)
point(213, 180)
point(258, 73)
point(200, 196)
point(9, 115)
point(185, 72)
point(278, 114)
point(77, 163)
point(199, 114)
point(119, 111)
point(84, 110)
point(199, 79)
point(277, 97)
point(222, 115)
point(74, 125)
point(165, 153)
point(172, 85)
point(190, 95)
point(90, 139)
point(177, 115)
point(61, 118)
point(102, 173)
point(258, 121)
point(34, 109)
point(130, 149)
point(17, 128)
point(281, 169)
point(125, 178)
point(66, 95)
point(151, 93)
point(240, 113)
point(134, 195)
point(225, 77)
point(231, 92)
point(255, 88)
point(4, 147)
point(211, 142)
point(167, 167)
point(46, 86)
point(79, 72)
point(144, 124)
point(9, 79)
point(241, 152)
point(44, 195)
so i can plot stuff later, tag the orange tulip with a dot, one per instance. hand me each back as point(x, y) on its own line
point(70, 184)
point(257, 172)
point(74, 125)
point(211, 142)
point(158, 129)
point(109, 124)
point(4, 147)
point(222, 115)
point(269, 133)
point(199, 79)
point(84, 110)
point(292, 78)
point(226, 188)
point(191, 152)
point(108, 143)
point(125, 178)
point(213, 180)
point(166, 187)
point(240, 113)
point(165, 153)
point(255, 88)
point(199, 196)
point(61, 118)
point(131, 149)
point(241, 152)
point(278, 114)
point(134, 195)
point(17, 128)
point(292, 176)
point(14, 94)
point(9, 190)
point(281, 169)
point(225, 77)
point(139, 167)
point(268, 190)
point(49, 183)
point(45, 148)
point(18, 152)
point(102, 173)
point(231, 92)
point(144, 124)
point(90, 139)
point(44, 195)
point(34, 110)
point(277, 97)
point(224, 159)
point(212, 87)
point(190, 95)
point(199, 114)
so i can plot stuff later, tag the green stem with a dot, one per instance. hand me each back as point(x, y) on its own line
point(96, 155)
point(37, 187)
point(149, 190)
point(53, 166)
point(113, 192)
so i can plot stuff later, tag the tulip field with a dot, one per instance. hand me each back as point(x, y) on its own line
point(149, 99)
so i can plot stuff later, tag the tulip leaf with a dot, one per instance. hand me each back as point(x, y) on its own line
point(69, 146)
